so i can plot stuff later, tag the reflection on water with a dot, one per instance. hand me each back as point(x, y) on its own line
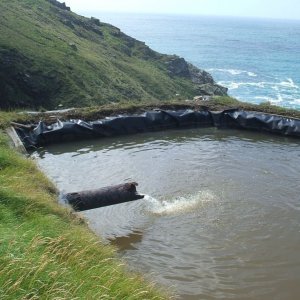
point(127, 242)
point(223, 217)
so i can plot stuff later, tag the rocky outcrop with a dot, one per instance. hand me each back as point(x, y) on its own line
point(95, 21)
point(214, 89)
point(205, 84)
point(73, 46)
point(199, 76)
point(177, 66)
point(59, 4)
point(77, 24)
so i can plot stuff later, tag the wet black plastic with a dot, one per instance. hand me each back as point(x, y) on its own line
point(157, 121)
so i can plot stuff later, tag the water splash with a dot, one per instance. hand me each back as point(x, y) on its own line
point(179, 205)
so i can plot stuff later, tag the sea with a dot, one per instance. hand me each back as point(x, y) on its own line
point(258, 60)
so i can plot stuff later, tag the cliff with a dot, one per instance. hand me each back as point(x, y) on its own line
point(51, 57)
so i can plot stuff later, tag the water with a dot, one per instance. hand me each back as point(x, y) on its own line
point(221, 215)
point(258, 60)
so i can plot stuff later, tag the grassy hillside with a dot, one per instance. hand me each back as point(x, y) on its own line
point(51, 56)
point(46, 252)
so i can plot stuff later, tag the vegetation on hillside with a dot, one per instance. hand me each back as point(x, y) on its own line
point(47, 252)
point(50, 56)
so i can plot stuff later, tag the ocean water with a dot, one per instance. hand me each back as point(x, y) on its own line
point(258, 60)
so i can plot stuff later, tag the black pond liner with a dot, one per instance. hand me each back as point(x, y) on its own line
point(157, 120)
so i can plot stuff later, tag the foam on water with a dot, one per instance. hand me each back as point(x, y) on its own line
point(179, 205)
point(233, 72)
point(231, 85)
point(284, 92)
point(289, 83)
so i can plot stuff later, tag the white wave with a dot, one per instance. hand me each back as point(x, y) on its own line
point(289, 83)
point(230, 85)
point(235, 85)
point(178, 205)
point(296, 101)
point(251, 74)
point(234, 72)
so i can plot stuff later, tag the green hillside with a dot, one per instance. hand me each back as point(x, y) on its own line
point(51, 56)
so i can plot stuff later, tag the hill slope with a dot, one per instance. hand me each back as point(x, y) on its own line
point(51, 56)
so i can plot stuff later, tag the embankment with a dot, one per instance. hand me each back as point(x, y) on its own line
point(46, 251)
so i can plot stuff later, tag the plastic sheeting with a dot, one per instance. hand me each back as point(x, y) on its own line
point(157, 120)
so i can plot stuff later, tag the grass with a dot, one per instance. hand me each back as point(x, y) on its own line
point(42, 69)
point(123, 107)
point(220, 103)
point(48, 252)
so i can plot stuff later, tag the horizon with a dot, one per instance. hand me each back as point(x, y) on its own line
point(96, 13)
point(254, 9)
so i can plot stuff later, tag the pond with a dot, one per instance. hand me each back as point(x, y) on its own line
point(221, 219)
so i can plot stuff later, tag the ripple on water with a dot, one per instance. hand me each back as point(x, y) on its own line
point(222, 221)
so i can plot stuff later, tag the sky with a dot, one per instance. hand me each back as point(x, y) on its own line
point(278, 9)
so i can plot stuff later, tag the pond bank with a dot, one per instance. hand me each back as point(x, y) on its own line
point(113, 109)
point(46, 251)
